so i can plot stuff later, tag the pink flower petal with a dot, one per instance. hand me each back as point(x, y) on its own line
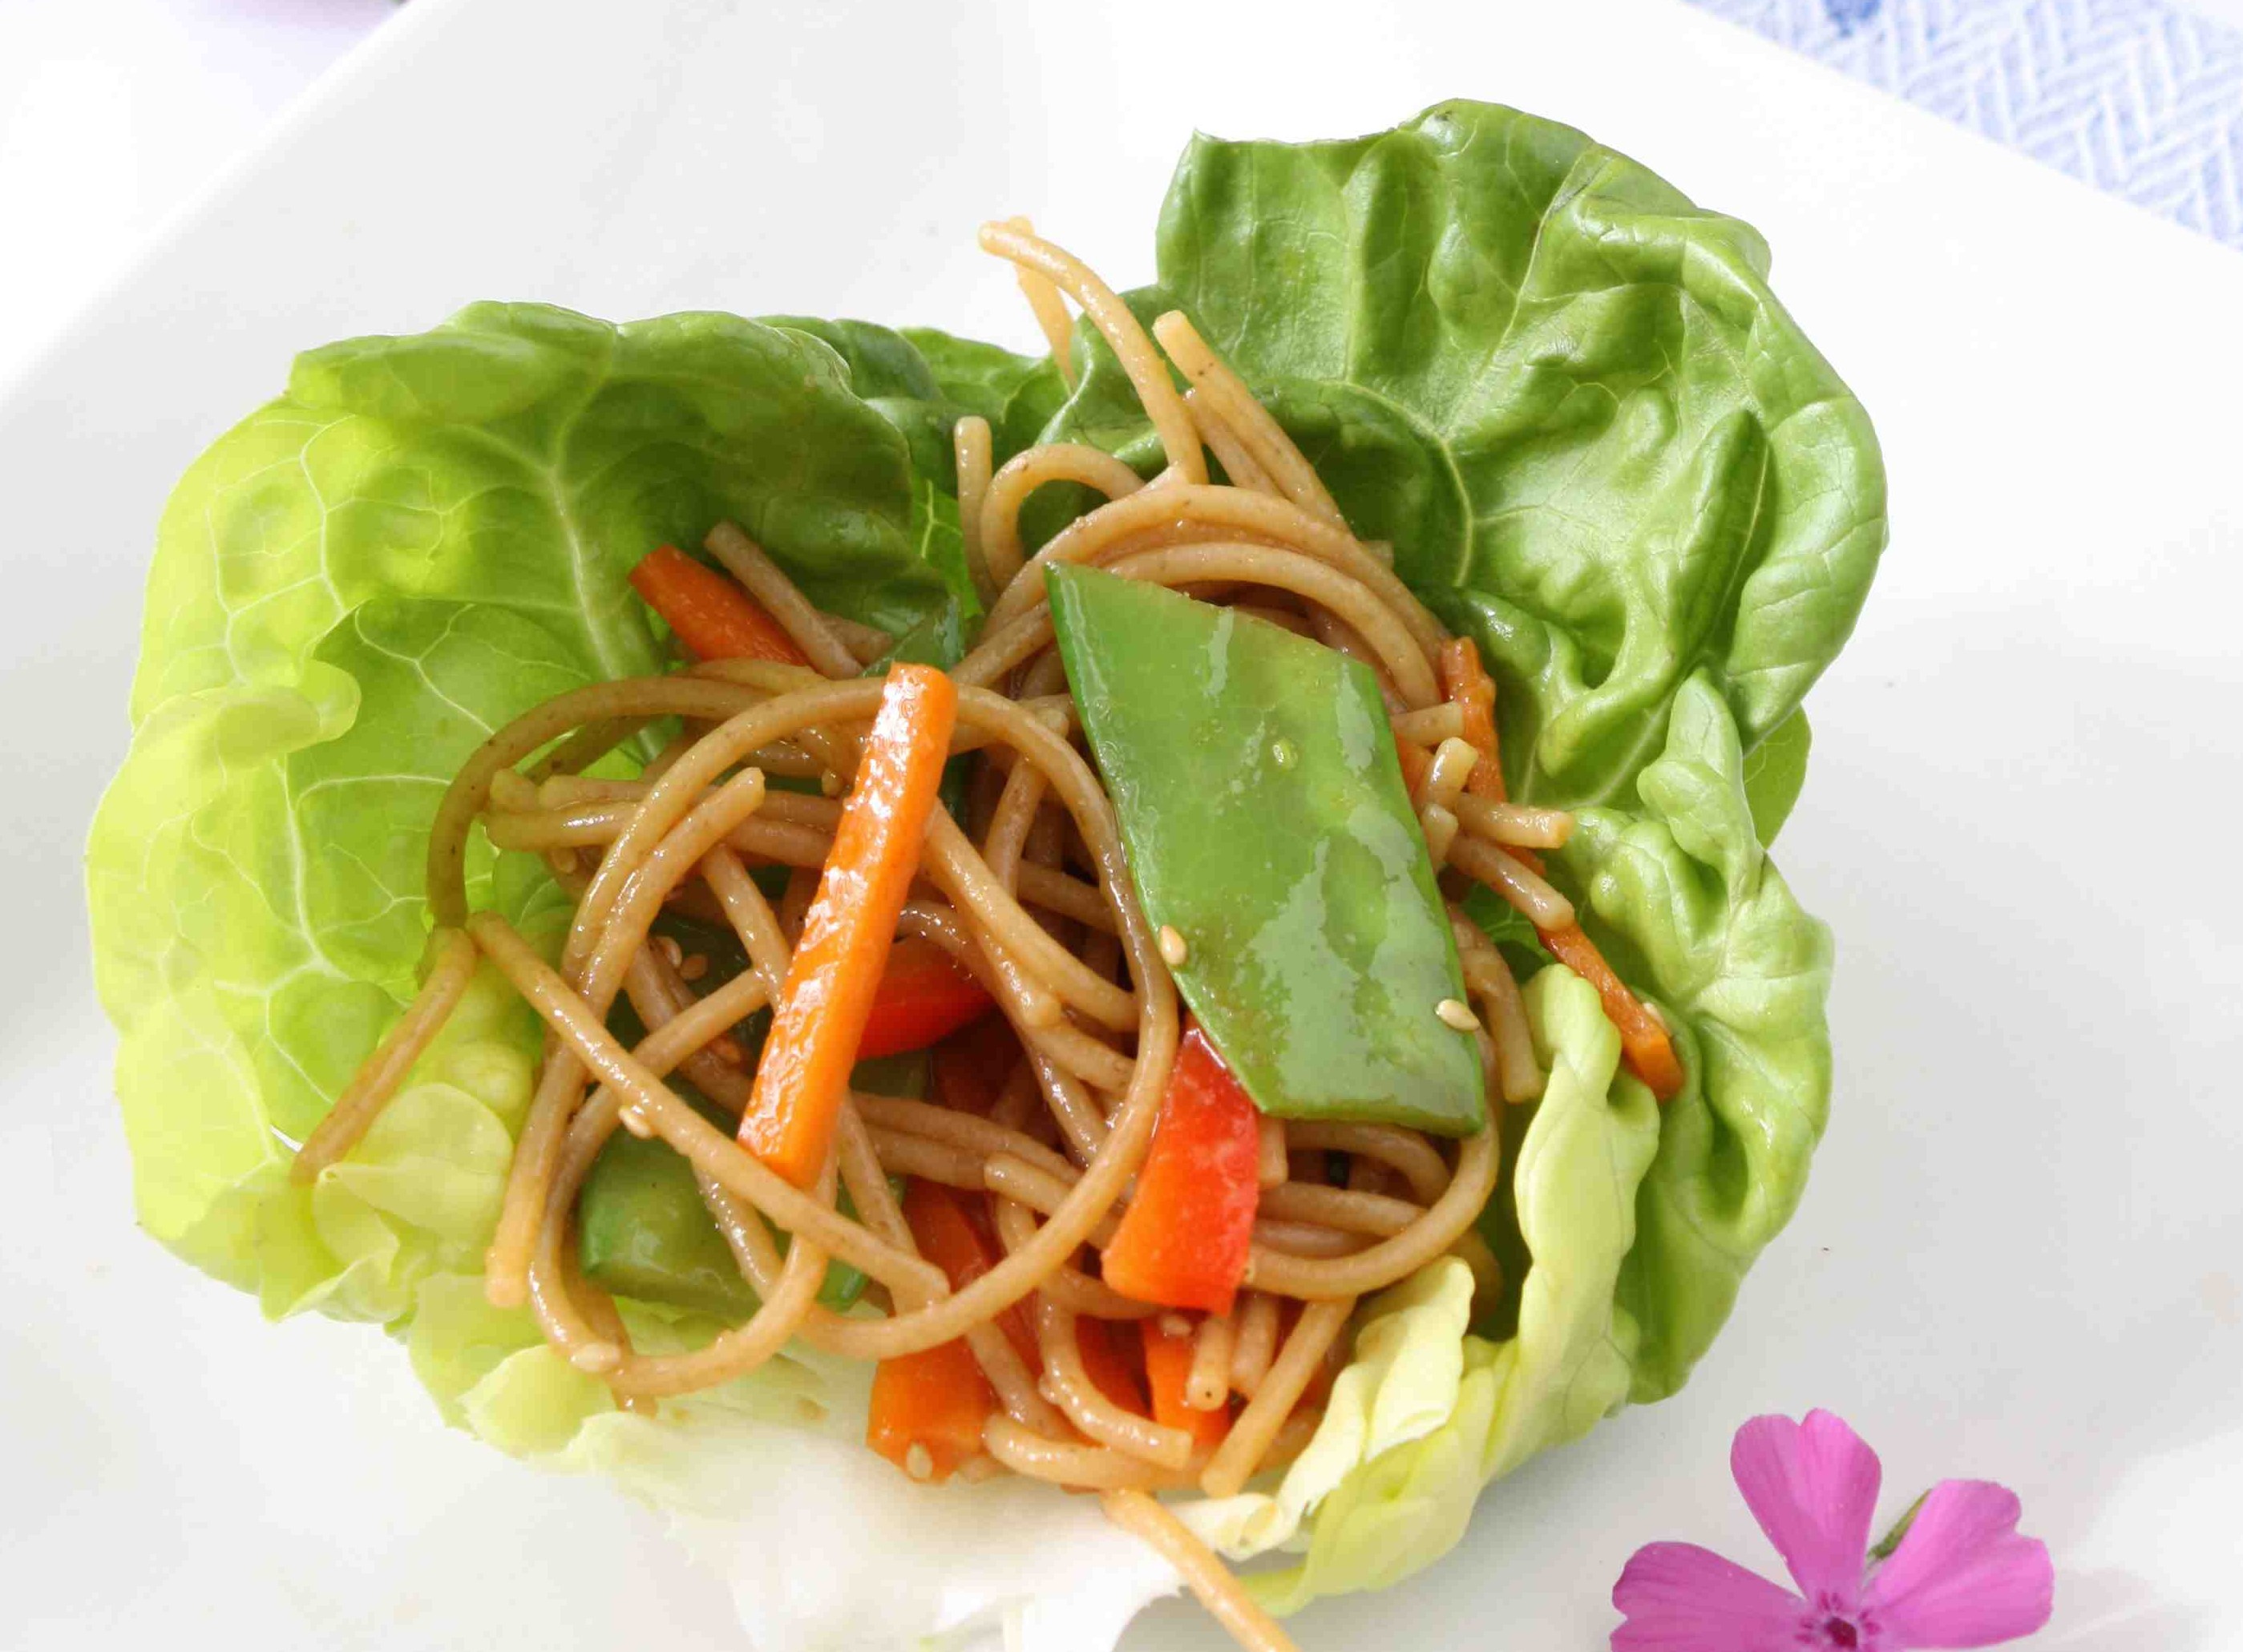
point(1813, 1487)
point(1681, 1598)
point(1963, 1576)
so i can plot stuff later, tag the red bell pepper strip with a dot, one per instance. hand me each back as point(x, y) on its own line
point(969, 1068)
point(1110, 1364)
point(924, 998)
point(1184, 1238)
point(827, 999)
point(1168, 1369)
point(710, 613)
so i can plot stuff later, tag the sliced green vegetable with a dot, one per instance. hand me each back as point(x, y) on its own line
point(643, 1232)
point(1267, 823)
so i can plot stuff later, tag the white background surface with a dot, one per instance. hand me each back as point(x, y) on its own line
point(2021, 1256)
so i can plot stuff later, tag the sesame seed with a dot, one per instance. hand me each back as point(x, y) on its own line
point(919, 1462)
point(1174, 1324)
point(597, 1357)
point(671, 952)
point(829, 784)
point(1456, 1014)
point(693, 968)
point(1172, 950)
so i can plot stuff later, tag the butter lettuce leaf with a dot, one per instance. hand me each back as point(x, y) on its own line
point(1400, 1383)
point(1018, 394)
point(1689, 906)
point(424, 537)
point(1565, 395)
point(855, 1555)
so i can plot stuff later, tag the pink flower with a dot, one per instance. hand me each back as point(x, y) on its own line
point(1961, 1574)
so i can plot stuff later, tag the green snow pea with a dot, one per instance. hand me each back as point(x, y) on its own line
point(644, 1233)
point(1265, 819)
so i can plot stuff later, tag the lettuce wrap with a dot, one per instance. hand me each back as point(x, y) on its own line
point(1565, 396)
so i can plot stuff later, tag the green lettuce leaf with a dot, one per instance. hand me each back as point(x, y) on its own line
point(1400, 1383)
point(1565, 395)
point(426, 536)
point(1775, 773)
point(1688, 905)
point(1018, 394)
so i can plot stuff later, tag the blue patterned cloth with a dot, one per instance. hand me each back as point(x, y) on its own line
point(2138, 97)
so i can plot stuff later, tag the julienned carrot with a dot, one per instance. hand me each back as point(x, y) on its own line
point(827, 999)
point(1416, 768)
point(1644, 1042)
point(928, 1410)
point(1643, 1039)
point(1183, 1240)
point(924, 998)
point(1168, 1369)
point(943, 1226)
point(1473, 691)
point(710, 612)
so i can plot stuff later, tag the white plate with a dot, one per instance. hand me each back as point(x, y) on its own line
point(2021, 1256)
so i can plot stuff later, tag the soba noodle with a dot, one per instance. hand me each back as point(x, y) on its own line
point(1030, 894)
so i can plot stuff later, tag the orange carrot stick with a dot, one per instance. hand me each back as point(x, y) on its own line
point(1417, 769)
point(928, 1410)
point(829, 993)
point(1468, 685)
point(1167, 1368)
point(942, 1225)
point(710, 613)
point(1643, 1040)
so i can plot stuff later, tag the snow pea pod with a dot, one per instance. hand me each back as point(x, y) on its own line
point(1266, 822)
